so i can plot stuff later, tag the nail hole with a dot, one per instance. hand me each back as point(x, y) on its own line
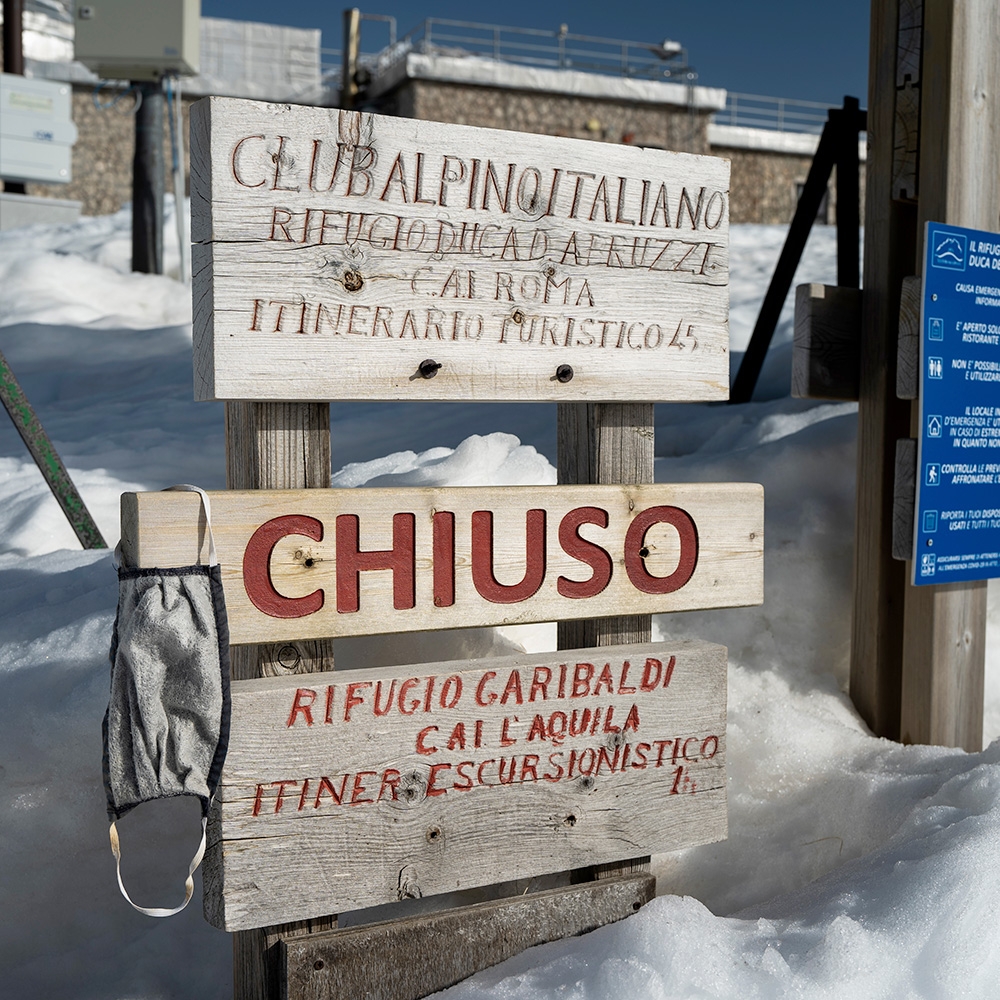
point(637, 906)
point(310, 561)
point(318, 964)
point(517, 316)
point(570, 820)
point(644, 552)
point(433, 834)
point(353, 281)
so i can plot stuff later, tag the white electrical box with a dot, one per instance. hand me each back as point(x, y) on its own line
point(138, 39)
point(36, 130)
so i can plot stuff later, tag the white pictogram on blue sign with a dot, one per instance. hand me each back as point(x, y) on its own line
point(927, 564)
point(932, 474)
point(934, 425)
point(935, 328)
point(949, 250)
point(935, 368)
point(930, 521)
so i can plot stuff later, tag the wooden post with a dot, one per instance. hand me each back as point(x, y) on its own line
point(275, 446)
point(917, 652)
point(944, 643)
point(606, 443)
point(890, 252)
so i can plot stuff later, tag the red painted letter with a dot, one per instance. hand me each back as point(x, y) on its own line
point(482, 559)
point(443, 527)
point(423, 747)
point(304, 697)
point(634, 561)
point(586, 552)
point(257, 567)
point(401, 559)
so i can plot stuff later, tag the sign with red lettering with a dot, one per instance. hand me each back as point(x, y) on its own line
point(352, 788)
point(303, 564)
point(347, 255)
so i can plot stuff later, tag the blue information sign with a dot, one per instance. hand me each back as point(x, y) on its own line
point(957, 523)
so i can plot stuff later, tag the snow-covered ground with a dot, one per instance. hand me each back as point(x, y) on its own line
point(855, 867)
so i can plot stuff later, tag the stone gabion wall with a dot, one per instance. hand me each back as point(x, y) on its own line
point(640, 124)
point(762, 184)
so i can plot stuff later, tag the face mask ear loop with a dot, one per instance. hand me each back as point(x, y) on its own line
point(213, 559)
point(158, 911)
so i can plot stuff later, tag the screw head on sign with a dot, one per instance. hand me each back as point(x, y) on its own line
point(288, 657)
point(353, 281)
point(429, 368)
point(564, 373)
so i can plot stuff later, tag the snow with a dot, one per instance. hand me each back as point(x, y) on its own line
point(855, 867)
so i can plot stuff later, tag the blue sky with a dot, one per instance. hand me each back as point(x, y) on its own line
point(800, 49)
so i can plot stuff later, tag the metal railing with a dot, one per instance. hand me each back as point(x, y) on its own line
point(779, 114)
point(559, 49)
point(562, 49)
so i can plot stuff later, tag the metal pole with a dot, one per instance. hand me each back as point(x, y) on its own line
point(13, 51)
point(784, 271)
point(147, 180)
point(47, 459)
point(175, 112)
point(352, 42)
point(13, 59)
point(848, 206)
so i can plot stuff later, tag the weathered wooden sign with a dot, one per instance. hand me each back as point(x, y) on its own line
point(343, 255)
point(299, 564)
point(353, 788)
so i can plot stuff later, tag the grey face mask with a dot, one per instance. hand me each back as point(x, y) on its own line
point(166, 729)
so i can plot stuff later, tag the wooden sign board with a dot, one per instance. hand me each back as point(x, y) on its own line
point(352, 788)
point(337, 251)
point(305, 564)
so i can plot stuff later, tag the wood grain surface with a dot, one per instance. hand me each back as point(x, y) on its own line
point(827, 345)
point(352, 788)
point(436, 950)
point(279, 551)
point(340, 250)
point(944, 642)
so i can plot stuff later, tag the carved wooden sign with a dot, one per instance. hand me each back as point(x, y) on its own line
point(336, 252)
point(303, 564)
point(353, 788)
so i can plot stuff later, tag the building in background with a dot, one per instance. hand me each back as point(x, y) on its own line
point(529, 80)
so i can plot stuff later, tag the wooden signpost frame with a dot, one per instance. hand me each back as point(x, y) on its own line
point(286, 445)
